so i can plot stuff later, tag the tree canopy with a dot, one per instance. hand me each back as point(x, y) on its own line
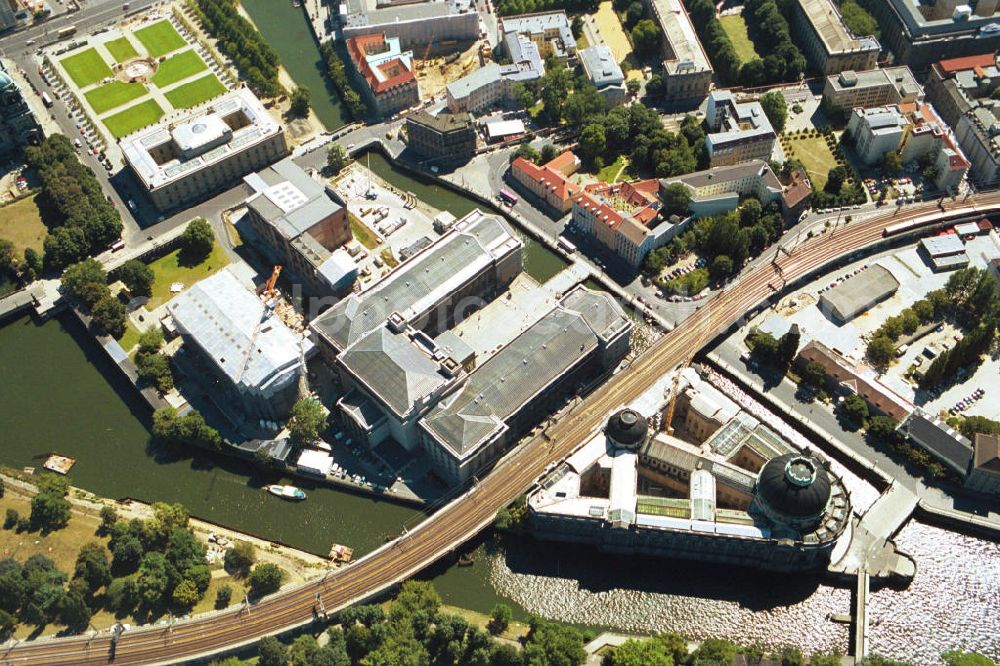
point(309, 419)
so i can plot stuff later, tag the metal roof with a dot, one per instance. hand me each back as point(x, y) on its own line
point(860, 292)
point(472, 247)
point(599, 63)
point(222, 317)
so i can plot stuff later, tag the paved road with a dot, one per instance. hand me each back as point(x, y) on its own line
point(470, 513)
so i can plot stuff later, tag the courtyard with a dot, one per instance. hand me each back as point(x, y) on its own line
point(129, 78)
point(736, 29)
point(815, 154)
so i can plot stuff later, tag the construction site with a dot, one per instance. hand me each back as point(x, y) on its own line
point(438, 64)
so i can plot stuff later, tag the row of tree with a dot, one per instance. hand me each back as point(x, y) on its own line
point(80, 218)
point(171, 428)
point(858, 20)
point(779, 352)
point(338, 76)
point(782, 61)
point(515, 7)
point(87, 282)
point(242, 43)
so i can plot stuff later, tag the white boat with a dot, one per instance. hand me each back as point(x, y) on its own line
point(286, 492)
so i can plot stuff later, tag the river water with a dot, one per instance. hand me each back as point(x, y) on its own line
point(58, 392)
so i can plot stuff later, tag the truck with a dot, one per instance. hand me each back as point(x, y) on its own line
point(46, 100)
point(66, 32)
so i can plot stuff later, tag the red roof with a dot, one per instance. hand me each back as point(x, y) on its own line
point(968, 62)
point(394, 72)
point(553, 180)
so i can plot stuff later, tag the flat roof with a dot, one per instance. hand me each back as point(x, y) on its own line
point(224, 317)
point(599, 64)
point(472, 246)
point(473, 81)
point(686, 55)
point(288, 198)
point(442, 122)
point(734, 173)
point(941, 246)
point(899, 77)
point(860, 292)
point(826, 21)
point(497, 128)
point(136, 147)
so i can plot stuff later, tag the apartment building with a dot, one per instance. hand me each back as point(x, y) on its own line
point(550, 32)
point(624, 218)
point(738, 132)
point(386, 72)
point(550, 182)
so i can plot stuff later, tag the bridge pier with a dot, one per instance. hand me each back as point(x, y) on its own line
point(859, 637)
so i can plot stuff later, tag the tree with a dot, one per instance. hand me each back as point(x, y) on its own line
point(150, 340)
point(265, 579)
point(137, 276)
point(855, 409)
point(776, 109)
point(223, 596)
point(646, 38)
point(153, 582)
point(960, 658)
point(86, 281)
point(8, 260)
point(108, 518)
point(299, 104)
point(271, 652)
point(187, 430)
point(415, 597)
point(155, 369)
point(186, 594)
point(592, 142)
point(122, 595)
point(50, 510)
point(240, 558)
point(551, 644)
point(500, 618)
point(92, 566)
point(577, 26)
point(788, 346)
point(108, 316)
point(127, 553)
point(714, 651)
point(633, 86)
point(676, 199)
point(309, 419)
point(74, 611)
point(336, 158)
point(892, 163)
point(11, 518)
point(634, 13)
point(527, 152)
point(197, 241)
point(835, 179)
point(881, 350)
point(883, 429)
point(549, 153)
point(792, 656)
point(7, 625)
point(721, 267)
point(639, 653)
point(813, 374)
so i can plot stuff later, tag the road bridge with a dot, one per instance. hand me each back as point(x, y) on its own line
point(468, 514)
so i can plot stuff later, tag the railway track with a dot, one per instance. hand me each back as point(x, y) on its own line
point(469, 514)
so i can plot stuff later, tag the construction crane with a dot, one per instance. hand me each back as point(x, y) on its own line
point(266, 294)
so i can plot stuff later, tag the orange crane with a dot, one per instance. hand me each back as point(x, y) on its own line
point(266, 294)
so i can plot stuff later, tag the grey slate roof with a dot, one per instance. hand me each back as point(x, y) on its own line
point(393, 368)
point(940, 440)
point(420, 283)
point(598, 309)
point(860, 292)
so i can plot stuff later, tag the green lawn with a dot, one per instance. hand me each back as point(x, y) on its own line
point(130, 338)
point(133, 118)
point(613, 172)
point(159, 38)
point(111, 95)
point(736, 28)
point(178, 67)
point(21, 224)
point(815, 155)
point(86, 67)
point(121, 49)
point(168, 270)
point(196, 92)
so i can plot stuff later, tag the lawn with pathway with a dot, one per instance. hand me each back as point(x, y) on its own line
point(159, 38)
point(736, 29)
point(112, 95)
point(86, 67)
point(121, 49)
point(815, 155)
point(196, 92)
point(133, 118)
point(178, 67)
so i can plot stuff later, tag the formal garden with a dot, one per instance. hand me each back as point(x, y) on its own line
point(132, 78)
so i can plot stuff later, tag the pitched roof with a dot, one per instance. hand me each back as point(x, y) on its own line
point(968, 62)
point(987, 453)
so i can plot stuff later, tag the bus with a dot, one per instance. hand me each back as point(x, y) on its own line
point(46, 100)
point(66, 32)
point(566, 245)
point(508, 196)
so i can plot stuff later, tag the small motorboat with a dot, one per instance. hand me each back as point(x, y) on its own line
point(286, 492)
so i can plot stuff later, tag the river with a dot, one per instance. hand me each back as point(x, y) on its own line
point(287, 30)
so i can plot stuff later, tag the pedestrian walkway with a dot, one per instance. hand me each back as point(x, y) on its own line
point(870, 548)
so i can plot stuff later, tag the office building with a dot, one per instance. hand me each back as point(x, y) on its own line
point(301, 227)
point(687, 71)
point(920, 33)
point(604, 73)
point(254, 359)
point(876, 87)
point(718, 190)
point(737, 132)
point(876, 131)
point(549, 183)
point(446, 137)
point(492, 84)
point(624, 218)
point(412, 23)
point(207, 149)
point(18, 125)
point(944, 253)
point(745, 496)
point(826, 41)
point(584, 336)
point(386, 72)
point(550, 31)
